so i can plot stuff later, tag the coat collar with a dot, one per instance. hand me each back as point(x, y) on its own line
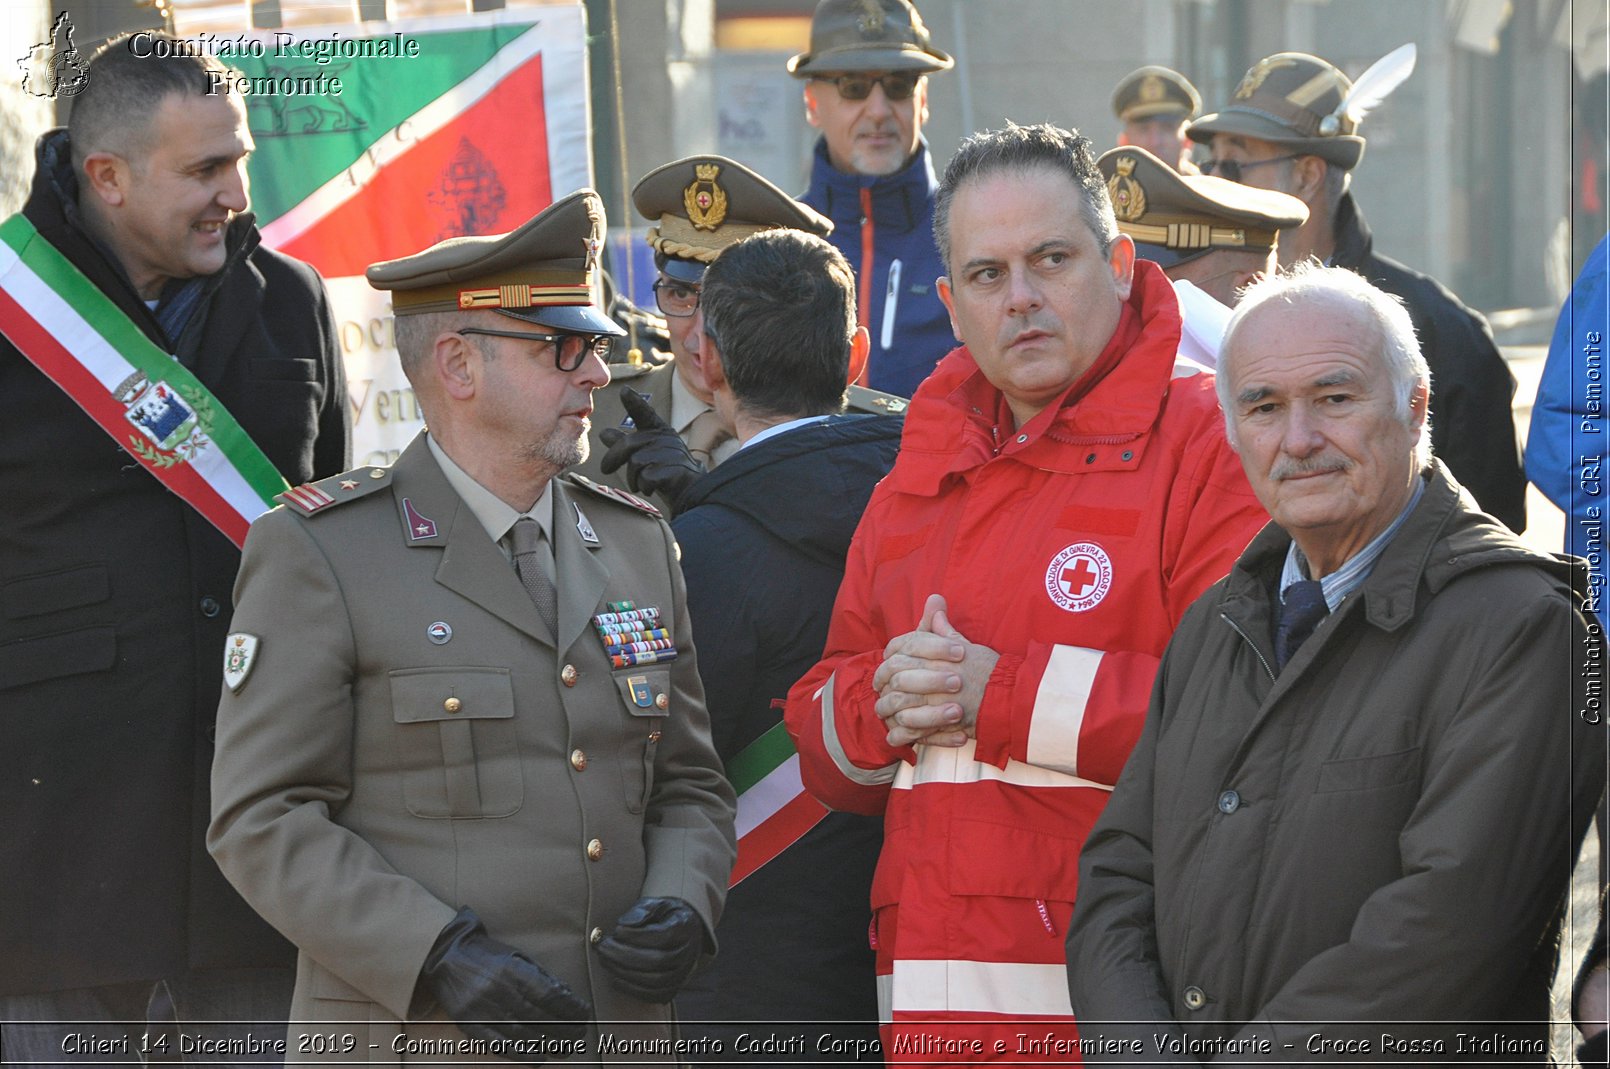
point(1445, 536)
point(900, 200)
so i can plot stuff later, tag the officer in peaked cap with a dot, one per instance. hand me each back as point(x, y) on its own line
point(664, 433)
point(467, 767)
point(542, 272)
point(1155, 104)
point(1210, 236)
point(1293, 125)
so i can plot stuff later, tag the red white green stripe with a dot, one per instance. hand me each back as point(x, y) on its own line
point(78, 337)
point(774, 810)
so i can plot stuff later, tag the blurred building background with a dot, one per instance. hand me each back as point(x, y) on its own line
point(1487, 169)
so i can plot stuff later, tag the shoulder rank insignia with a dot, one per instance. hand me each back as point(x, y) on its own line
point(336, 490)
point(620, 496)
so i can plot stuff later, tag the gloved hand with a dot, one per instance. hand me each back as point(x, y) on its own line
point(657, 460)
point(493, 992)
point(654, 947)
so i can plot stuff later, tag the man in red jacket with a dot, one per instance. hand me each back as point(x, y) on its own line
point(1059, 499)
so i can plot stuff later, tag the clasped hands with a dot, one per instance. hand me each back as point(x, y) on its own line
point(931, 682)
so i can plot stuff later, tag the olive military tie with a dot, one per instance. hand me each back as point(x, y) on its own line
point(530, 548)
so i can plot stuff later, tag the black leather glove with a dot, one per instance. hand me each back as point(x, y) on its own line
point(657, 460)
point(493, 992)
point(653, 949)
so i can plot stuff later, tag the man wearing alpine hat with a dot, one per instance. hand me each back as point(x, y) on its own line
point(866, 89)
point(1293, 125)
point(464, 762)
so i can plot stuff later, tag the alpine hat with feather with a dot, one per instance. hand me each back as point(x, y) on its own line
point(1306, 105)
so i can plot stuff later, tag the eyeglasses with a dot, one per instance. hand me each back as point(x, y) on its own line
point(897, 86)
point(570, 350)
point(1231, 169)
point(678, 299)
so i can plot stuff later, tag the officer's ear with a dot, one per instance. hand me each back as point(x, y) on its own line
point(1308, 178)
point(456, 361)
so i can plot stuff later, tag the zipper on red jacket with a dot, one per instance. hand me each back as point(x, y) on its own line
point(864, 298)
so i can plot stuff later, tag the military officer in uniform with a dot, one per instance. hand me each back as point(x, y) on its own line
point(1210, 236)
point(699, 205)
point(1155, 105)
point(464, 762)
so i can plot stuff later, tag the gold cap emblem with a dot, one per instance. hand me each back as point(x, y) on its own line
point(705, 200)
point(1151, 89)
point(1128, 195)
point(1255, 77)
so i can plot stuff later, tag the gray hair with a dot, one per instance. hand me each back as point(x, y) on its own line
point(1311, 282)
point(1024, 148)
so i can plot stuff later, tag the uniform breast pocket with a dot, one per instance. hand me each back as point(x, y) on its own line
point(457, 747)
point(647, 698)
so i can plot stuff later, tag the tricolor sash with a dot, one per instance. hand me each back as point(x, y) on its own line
point(774, 810)
point(147, 401)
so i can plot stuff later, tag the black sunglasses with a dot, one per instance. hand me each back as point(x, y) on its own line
point(570, 350)
point(678, 299)
point(1231, 169)
point(896, 86)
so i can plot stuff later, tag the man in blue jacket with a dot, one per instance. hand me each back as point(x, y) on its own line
point(866, 89)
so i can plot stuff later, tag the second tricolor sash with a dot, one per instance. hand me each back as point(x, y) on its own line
point(151, 404)
point(774, 809)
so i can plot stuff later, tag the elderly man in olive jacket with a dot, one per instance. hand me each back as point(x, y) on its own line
point(1347, 830)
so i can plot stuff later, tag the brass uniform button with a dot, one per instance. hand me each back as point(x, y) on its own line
point(578, 760)
point(595, 850)
point(568, 675)
point(378, 473)
point(452, 705)
point(595, 936)
point(654, 736)
point(662, 701)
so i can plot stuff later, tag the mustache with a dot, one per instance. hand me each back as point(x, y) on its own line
point(1293, 467)
point(1017, 325)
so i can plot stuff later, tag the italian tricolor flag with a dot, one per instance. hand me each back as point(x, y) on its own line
point(478, 127)
point(774, 810)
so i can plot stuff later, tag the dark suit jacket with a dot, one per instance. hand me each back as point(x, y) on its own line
point(114, 604)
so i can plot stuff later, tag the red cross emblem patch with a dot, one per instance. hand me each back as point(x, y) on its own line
point(1079, 577)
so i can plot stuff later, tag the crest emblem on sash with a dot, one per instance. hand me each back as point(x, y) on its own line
point(170, 425)
point(705, 200)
